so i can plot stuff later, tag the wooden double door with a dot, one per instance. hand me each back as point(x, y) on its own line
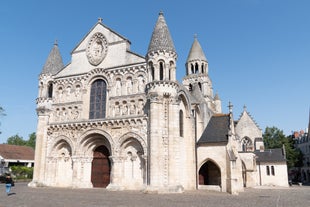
point(101, 167)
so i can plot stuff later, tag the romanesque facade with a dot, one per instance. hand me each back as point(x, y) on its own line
point(115, 119)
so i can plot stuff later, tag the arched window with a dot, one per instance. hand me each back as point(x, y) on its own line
point(246, 144)
point(202, 69)
point(161, 71)
point(151, 70)
point(199, 84)
point(192, 69)
point(181, 123)
point(272, 170)
point(98, 95)
point(190, 87)
point(50, 90)
point(196, 68)
point(267, 170)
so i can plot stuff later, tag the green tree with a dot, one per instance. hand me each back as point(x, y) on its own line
point(32, 140)
point(16, 140)
point(275, 138)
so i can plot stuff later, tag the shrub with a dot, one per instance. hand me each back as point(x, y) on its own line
point(22, 172)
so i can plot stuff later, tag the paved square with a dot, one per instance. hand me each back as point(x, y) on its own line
point(23, 196)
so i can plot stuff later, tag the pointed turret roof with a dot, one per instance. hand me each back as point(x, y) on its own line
point(161, 38)
point(196, 52)
point(54, 61)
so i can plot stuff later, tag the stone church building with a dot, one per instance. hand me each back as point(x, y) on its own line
point(115, 119)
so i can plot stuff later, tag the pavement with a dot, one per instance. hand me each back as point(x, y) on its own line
point(24, 196)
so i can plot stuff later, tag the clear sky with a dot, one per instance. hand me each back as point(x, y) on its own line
point(258, 50)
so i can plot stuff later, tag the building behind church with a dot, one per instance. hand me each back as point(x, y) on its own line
point(115, 119)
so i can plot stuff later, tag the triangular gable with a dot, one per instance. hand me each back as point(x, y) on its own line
point(114, 52)
point(246, 127)
point(98, 27)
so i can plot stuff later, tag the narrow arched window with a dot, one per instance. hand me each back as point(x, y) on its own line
point(272, 170)
point(190, 87)
point(192, 69)
point(181, 123)
point(199, 84)
point(98, 95)
point(161, 71)
point(151, 70)
point(267, 170)
point(50, 90)
point(202, 69)
point(196, 68)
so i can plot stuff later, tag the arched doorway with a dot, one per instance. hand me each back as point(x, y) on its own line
point(209, 174)
point(101, 167)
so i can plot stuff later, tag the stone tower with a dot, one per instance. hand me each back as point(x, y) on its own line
point(162, 110)
point(199, 84)
point(44, 102)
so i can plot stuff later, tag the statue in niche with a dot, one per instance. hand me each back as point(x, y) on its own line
point(125, 109)
point(75, 113)
point(69, 113)
point(59, 95)
point(129, 86)
point(77, 92)
point(140, 107)
point(68, 91)
point(117, 110)
point(118, 87)
point(132, 109)
point(140, 84)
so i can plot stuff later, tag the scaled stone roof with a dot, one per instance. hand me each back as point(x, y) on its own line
point(161, 38)
point(196, 52)
point(216, 130)
point(270, 155)
point(16, 152)
point(54, 62)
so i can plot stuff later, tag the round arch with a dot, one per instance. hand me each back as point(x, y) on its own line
point(94, 138)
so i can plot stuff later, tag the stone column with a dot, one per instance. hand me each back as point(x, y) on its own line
point(40, 152)
point(116, 173)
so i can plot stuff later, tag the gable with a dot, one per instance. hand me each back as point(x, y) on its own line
point(247, 127)
point(100, 48)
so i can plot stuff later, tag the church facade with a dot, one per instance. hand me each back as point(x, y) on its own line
point(115, 119)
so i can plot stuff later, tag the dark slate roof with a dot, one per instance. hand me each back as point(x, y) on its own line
point(15, 152)
point(270, 155)
point(54, 62)
point(196, 52)
point(161, 38)
point(216, 130)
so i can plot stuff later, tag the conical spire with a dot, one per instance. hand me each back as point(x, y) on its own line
point(54, 61)
point(196, 52)
point(161, 38)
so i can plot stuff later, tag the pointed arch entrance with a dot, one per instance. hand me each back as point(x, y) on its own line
point(209, 174)
point(101, 167)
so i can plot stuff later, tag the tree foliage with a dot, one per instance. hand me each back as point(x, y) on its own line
point(275, 138)
point(18, 140)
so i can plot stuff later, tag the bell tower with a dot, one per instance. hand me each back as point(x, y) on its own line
point(44, 101)
point(197, 79)
point(163, 111)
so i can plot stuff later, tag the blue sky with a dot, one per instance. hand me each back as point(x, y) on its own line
point(258, 50)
